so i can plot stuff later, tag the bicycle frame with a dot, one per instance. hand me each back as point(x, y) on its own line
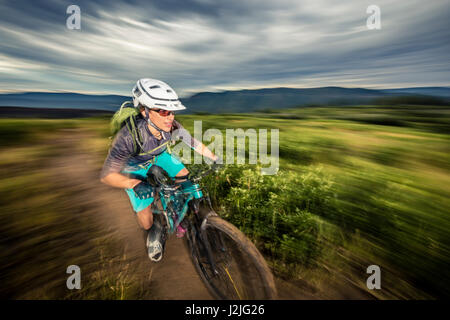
point(175, 202)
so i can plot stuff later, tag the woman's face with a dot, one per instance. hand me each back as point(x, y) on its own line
point(161, 121)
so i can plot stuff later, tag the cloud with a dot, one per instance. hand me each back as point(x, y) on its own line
point(209, 45)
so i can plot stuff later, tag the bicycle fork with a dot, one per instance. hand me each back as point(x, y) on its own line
point(206, 242)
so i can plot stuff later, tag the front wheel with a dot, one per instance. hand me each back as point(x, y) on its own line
point(232, 267)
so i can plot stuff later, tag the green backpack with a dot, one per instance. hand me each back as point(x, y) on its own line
point(126, 116)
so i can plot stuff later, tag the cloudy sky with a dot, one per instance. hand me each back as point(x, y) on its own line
point(207, 45)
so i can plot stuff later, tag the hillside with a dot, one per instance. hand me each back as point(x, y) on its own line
point(252, 100)
point(237, 101)
point(62, 100)
point(49, 113)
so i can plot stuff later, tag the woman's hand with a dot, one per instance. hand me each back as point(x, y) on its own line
point(143, 190)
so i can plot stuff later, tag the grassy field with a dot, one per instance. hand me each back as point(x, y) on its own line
point(46, 226)
point(357, 186)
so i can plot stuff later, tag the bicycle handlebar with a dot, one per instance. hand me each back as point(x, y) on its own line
point(194, 177)
point(215, 166)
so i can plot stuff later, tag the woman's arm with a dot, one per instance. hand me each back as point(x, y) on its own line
point(204, 151)
point(185, 136)
point(118, 180)
point(118, 155)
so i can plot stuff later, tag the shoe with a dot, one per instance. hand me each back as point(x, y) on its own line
point(154, 249)
point(180, 231)
point(153, 243)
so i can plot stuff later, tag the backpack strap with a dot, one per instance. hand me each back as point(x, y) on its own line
point(135, 134)
point(158, 147)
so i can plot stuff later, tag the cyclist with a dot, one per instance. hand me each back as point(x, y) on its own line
point(157, 103)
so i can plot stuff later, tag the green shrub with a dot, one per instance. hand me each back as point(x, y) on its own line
point(277, 211)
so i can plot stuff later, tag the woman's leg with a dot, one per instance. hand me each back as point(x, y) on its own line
point(152, 234)
point(145, 218)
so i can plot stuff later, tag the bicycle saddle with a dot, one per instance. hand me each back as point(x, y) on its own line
point(157, 176)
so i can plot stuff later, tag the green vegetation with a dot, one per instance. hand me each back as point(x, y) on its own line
point(352, 191)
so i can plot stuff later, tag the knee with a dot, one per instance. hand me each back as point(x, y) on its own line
point(145, 218)
point(146, 225)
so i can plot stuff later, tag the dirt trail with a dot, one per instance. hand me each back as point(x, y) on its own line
point(175, 276)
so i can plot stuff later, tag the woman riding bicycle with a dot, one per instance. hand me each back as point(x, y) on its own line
point(123, 168)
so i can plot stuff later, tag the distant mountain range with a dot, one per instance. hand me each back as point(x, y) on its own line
point(274, 98)
point(228, 101)
point(51, 113)
point(64, 100)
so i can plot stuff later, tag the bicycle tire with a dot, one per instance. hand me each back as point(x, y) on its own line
point(242, 272)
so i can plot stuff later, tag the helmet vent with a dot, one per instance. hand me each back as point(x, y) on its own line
point(155, 87)
point(169, 91)
point(137, 92)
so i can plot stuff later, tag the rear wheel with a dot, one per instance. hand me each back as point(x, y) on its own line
point(240, 272)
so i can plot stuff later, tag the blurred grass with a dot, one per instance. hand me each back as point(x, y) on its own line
point(357, 186)
point(46, 227)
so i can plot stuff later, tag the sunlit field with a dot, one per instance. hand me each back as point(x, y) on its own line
point(357, 186)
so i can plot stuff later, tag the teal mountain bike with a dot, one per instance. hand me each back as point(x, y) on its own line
point(226, 260)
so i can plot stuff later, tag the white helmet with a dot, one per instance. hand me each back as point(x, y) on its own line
point(152, 93)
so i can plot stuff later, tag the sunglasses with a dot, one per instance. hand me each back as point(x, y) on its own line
point(163, 113)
